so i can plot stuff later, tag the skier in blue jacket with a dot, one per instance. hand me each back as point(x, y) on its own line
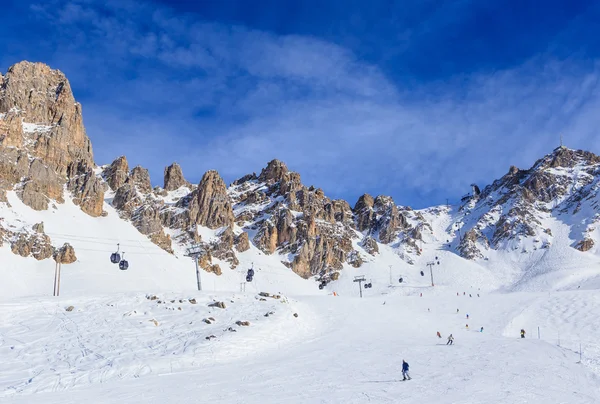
point(405, 370)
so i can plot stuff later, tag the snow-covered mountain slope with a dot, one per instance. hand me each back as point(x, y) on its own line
point(531, 230)
point(338, 349)
point(95, 239)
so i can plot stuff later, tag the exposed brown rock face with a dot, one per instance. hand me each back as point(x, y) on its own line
point(14, 165)
point(315, 231)
point(41, 185)
point(363, 209)
point(42, 96)
point(223, 249)
point(242, 243)
point(370, 245)
point(210, 205)
point(37, 245)
point(468, 246)
point(127, 199)
point(266, 238)
point(87, 189)
point(174, 178)
point(65, 254)
point(274, 172)
point(141, 179)
point(585, 244)
point(117, 173)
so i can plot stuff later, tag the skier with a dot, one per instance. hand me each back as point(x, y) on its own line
point(456, 293)
point(439, 335)
point(481, 329)
point(450, 340)
point(405, 370)
point(470, 295)
point(467, 326)
point(522, 333)
point(457, 310)
point(467, 316)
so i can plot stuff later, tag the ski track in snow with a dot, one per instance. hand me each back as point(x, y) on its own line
point(44, 348)
point(338, 349)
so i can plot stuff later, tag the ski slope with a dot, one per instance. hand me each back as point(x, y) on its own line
point(338, 349)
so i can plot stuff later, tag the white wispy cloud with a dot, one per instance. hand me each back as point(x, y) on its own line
point(165, 87)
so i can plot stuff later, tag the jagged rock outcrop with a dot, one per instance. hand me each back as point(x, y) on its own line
point(370, 245)
point(223, 249)
point(37, 245)
point(468, 247)
point(116, 173)
point(65, 254)
point(14, 165)
point(40, 186)
point(363, 209)
point(87, 189)
point(585, 245)
point(173, 178)
point(289, 218)
point(210, 205)
point(242, 243)
point(127, 199)
point(42, 98)
point(273, 172)
point(141, 179)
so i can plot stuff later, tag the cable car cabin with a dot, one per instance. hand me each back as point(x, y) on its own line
point(320, 286)
point(115, 258)
point(248, 278)
point(251, 272)
point(123, 265)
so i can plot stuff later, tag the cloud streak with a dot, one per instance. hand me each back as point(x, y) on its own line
point(160, 86)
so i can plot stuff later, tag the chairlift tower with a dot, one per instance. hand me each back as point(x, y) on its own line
point(431, 264)
point(360, 279)
point(196, 251)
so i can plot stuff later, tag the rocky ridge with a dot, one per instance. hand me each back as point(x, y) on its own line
point(46, 156)
point(563, 186)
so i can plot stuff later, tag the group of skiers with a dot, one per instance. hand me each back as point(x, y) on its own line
point(464, 294)
point(405, 365)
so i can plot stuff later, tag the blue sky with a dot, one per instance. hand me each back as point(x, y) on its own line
point(413, 99)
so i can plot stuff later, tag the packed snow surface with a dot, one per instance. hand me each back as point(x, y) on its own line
point(108, 349)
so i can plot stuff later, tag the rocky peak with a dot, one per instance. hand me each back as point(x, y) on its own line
point(43, 100)
point(566, 158)
point(273, 172)
point(141, 179)
point(210, 204)
point(116, 173)
point(363, 210)
point(173, 178)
